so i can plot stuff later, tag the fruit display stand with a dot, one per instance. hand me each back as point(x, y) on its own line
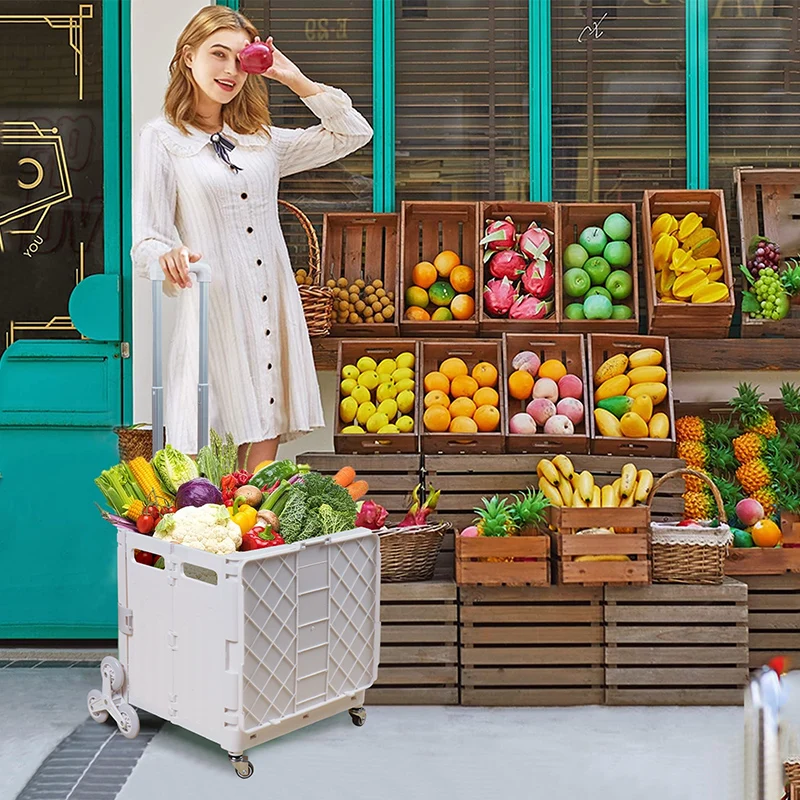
point(350, 352)
point(363, 247)
point(570, 351)
point(574, 218)
point(630, 541)
point(600, 348)
point(503, 561)
point(531, 646)
point(523, 214)
point(686, 319)
point(419, 644)
point(767, 206)
point(428, 228)
point(676, 645)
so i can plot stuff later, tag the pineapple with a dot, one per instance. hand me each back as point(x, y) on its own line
point(753, 413)
point(528, 510)
point(748, 447)
point(698, 505)
point(690, 429)
point(694, 454)
point(768, 499)
point(722, 460)
point(753, 475)
point(731, 494)
point(790, 393)
point(494, 518)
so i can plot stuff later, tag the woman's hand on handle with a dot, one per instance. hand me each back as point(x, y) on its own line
point(289, 74)
point(176, 263)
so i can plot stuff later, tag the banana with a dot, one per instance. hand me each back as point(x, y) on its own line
point(617, 484)
point(565, 487)
point(586, 486)
point(628, 480)
point(550, 492)
point(564, 466)
point(546, 470)
point(644, 485)
point(610, 498)
point(597, 498)
point(577, 501)
point(602, 558)
point(627, 502)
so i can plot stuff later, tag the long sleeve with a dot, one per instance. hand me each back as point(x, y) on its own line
point(342, 130)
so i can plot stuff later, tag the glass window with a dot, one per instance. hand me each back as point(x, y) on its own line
point(461, 99)
point(619, 99)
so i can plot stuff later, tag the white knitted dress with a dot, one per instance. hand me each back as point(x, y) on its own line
point(261, 370)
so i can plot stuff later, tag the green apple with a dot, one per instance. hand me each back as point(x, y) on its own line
point(601, 290)
point(593, 240)
point(621, 312)
point(618, 254)
point(597, 307)
point(574, 311)
point(620, 284)
point(576, 282)
point(575, 256)
point(598, 269)
point(617, 227)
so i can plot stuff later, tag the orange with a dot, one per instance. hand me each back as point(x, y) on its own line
point(436, 398)
point(462, 278)
point(436, 419)
point(445, 262)
point(487, 418)
point(462, 407)
point(462, 306)
point(463, 425)
point(765, 533)
point(453, 367)
point(435, 380)
point(486, 396)
point(552, 368)
point(520, 384)
point(419, 314)
point(424, 274)
point(485, 373)
point(463, 386)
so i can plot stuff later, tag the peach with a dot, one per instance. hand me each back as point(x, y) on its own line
point(541, 410)
point(572, 409)
point(546, 387)
point(571, 386)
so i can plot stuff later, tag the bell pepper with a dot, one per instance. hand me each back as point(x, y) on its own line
point(260, 537)
point(243, 515)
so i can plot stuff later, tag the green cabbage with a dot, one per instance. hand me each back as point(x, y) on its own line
point(174, 468)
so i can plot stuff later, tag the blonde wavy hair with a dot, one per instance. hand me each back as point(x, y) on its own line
point(248, 112)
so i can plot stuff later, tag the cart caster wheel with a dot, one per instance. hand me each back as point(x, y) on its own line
point(359, 716)
point(244, 769)
point(129, 721)
point(115, 672)
point(95, 703)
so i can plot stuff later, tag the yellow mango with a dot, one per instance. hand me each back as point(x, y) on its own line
point(646, 357)
point(656, 391)
point(659, 427)
point(647, 375)
point(712, 292)
point(643, 406)
point(613, 387)
point(611, 367)
point(633, 426)
point(664, 223)
point(663, 249)
point(688, 283)
point(688, 225)
point(607, 423)
point(700, 235)
point(707, 248)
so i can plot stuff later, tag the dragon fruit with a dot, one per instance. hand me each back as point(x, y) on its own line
point(530, 308)
point(499, 296)
point(500, 235)
point(371, 515)
point(539, 278)
point(535, 242)
point(507, 264)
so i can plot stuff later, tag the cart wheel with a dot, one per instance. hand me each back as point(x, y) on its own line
point(244, 769)
point(359, 716)
point(93, 699)
point(129, 721)
point(115, 671)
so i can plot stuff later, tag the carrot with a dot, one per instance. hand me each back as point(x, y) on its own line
point(358, 489)
point(345, 476)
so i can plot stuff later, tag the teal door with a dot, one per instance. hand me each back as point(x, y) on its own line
point(64, 277)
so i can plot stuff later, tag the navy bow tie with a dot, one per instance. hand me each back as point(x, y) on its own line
point(223, 146)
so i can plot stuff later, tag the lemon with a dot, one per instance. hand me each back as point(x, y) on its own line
point(405, 360)
point(388, 407)
point(388, 366)
point(348, 385)
point(366, 364)
point(369, 379)
point(376, 422)
point(386, 391)
point(405, 385)
point(403, 373)
point(388, 429)
point(405, 401)
point(350, 372)
point(361, 395)
point(353, 429)
point(348, 409)
point(365, 411)
point(405, 424)
point(385, 377)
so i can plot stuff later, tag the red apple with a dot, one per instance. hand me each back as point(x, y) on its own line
point(559, 425)
point(256, 58)
point(749, 511)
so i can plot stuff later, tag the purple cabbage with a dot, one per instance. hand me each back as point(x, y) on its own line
point(197, 492)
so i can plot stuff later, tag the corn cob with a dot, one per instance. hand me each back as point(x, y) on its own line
point(134, 510)
point(146, 477)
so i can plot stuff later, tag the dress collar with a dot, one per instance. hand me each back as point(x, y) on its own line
point(191, 143)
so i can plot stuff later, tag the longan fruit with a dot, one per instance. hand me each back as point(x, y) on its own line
point(331, 284)
point(385, 301)
point(360, 283)
point(378, 284)
point(377, 307)
point(309, 281)
point(302, 272)
point(390, 295)
point(354, 297)
point(360, 306)
point(368, 312)
point(369, 291)
point(381, 292)
point(342, 282)
point(378, 318)
point(353, 319)
point(344, 305)
point(388, 312)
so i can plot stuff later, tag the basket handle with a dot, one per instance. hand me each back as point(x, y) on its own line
point(314, 260)
point(677, 473)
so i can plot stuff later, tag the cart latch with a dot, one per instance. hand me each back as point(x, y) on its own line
point(125, 621)
point(173, 705)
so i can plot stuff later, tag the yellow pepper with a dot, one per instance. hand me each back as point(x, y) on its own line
point(243, 515)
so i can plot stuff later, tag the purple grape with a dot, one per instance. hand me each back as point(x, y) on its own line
point(761, 251)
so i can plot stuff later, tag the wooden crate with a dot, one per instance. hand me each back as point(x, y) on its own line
point(633, 541)
point(676, 645)
point(472, 352)
point(774, 616)
point(569, 349)
point(762, 561)
point(419, 645)
point(768, 205)
point(477, 564)
point(603, 346)
point(427, 228)
point(790, 528)
point(529, 646)
point(366, 247)
point(350, 350)
point(688, 320)
point(574, 218)
point(523, 213)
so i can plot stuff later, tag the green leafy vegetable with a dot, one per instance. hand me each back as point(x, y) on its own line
point(119, 488)
point(174, 468)
point(208, 464)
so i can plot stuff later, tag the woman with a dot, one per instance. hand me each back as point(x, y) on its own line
point(207, 188)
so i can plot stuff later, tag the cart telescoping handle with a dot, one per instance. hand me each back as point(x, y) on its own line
point(202, 272)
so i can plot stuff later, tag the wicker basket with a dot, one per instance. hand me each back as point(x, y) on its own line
point(317, 299)
point(689, 555)
point(135, 441)
point(791, 770)
point(410, 554)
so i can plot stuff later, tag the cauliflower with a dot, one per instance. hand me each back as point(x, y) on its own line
point(208, 528)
